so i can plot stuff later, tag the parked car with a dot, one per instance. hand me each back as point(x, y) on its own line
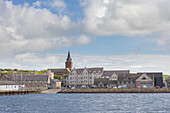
point(157, 87)
point(139, 87)
point(114, 87)
point(119, 86)
point(83, 86)
point(73, 88)
point(144, 86)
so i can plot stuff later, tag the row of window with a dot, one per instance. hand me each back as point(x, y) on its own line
point(126, 82)
point(79, 81)
point(80, 78)
point(11, 86)
point(83, 73)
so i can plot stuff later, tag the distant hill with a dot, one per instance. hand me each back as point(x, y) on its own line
point(165, 76)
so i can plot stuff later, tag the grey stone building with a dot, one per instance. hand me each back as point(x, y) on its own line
point(168, 82)
point(158, 78)
point(83, 77)
point(30, 79)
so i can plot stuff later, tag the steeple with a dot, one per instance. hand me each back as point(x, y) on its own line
point(69, 57)
point(69, 63)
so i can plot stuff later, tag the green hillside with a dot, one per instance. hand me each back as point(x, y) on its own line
point(165, 76)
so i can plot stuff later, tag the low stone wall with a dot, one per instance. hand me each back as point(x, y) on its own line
point(126, 90)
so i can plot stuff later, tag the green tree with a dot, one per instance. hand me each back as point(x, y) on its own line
point(15, 69)
point(65, 75)
point(57, 77)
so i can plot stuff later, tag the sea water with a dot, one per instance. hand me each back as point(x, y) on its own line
point(86, 103)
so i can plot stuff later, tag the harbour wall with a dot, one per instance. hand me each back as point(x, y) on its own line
point(122, 90)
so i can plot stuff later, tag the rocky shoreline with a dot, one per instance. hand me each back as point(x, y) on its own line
point(128, 90)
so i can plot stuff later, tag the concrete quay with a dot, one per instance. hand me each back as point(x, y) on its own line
point(52, 91)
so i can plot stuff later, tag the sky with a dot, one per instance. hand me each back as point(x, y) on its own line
point(114, 34)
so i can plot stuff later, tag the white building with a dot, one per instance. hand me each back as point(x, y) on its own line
point(10, 86)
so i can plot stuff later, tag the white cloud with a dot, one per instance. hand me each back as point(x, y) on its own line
point(136, 63)
point(37, 4)
point(57, 5)
point(35, 29)
point(126, 17)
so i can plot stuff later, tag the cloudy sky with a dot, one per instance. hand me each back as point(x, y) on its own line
point(114, 34)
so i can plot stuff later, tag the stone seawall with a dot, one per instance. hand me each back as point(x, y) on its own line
point(134, 90)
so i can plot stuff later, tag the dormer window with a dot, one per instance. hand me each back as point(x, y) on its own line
point(144, 78)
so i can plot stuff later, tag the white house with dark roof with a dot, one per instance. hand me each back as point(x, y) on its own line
point(10, 86)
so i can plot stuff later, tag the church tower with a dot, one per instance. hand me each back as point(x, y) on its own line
point(69, 63)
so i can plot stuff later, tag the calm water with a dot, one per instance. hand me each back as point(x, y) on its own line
point(89, 103)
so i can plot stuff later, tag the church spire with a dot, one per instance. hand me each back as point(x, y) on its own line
point(69, 57)
point(69, 63)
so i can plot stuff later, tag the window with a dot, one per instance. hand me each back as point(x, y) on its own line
point(120, 82)
point(144, 78)
point(90, 77)
point(129, 82)
point(124, 82)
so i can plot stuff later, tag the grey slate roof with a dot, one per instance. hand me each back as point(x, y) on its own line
point(8, 83)
point(156, 74)
point(29, 77)
point(80, 70)
point(131, 77)
point(105, 81)
point(17, 74)
point(128, 77)
point(111, 72)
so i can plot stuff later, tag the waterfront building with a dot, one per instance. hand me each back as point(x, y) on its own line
point(101, 82)
point(136, 80)
point(7, 84)
point(10, 86)
point(125, 81)
point(55, 83)
point(158, 78)
point(168, 82)
point(83, 77)
point(30, 80)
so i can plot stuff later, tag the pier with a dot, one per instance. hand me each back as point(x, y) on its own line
point(21, 92)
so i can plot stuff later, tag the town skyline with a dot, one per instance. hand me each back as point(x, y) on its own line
point(36, 34)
